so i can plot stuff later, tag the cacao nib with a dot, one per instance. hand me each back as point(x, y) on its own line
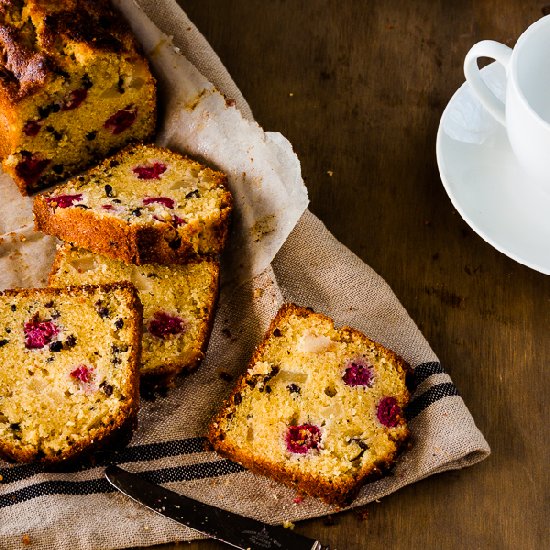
point(56, 346)
point(106, 388)
point(90, 136)
point(293, 388)
point(119, 323)
point(109, 191)
point(3, 342)
point(193, 194)
point(70, 342)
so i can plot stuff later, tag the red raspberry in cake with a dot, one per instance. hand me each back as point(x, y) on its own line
point(388, 412)
point(150, 171)
point(39, 333)
point(121, 120)
point(31, 128)
point(82, 373)
point(163, 325)
point(300, 439)
point(358, 373)
point(165, 201)
point(74, 99)
point(63, 201)
point(30, 167)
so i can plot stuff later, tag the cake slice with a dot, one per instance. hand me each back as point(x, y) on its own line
point(74, 87)
point(143, 205)
point(68, 369)
point(319, 408)
point(178, 305)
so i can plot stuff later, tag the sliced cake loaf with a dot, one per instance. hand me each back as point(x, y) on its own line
point(320, 409)
point(178, 305)
point(73, 88)
point(144, 205)
point(68, 369)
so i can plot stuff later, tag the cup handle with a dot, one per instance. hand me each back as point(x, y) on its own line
point(499, 52)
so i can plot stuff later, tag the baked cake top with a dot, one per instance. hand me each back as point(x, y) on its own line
point(41, 39)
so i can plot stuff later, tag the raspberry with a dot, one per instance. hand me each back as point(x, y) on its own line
point(163, 325)
point(121, 120)
point(358, 373)
point(166, 201)
point(300, 439)
point(31, 128)
point(82, 373)
point(107, 206)
point(74, 99)
point(150, 172)
point(388, 412)
point(39, 333)
point(30, 167)
point(63, 201)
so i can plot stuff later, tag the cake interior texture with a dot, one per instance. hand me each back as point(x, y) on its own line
point(73, 88)
point(178, 303)
point(143, 186)
point(68, 368)
point(320, 408)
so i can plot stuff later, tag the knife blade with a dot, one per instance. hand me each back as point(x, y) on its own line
point(234, 530)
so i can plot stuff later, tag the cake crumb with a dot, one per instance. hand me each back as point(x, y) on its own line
point(258, 292)
point(26, 540)
point(287, 524)
point(291, 94)
point(330, 173)
point(1, 477)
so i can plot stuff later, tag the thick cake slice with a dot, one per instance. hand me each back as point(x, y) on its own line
point(68, 369)
point(320, 409)
point(178, 305)
point(144, 205)
point(73, 88)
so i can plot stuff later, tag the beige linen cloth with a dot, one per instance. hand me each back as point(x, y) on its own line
point(79, 510)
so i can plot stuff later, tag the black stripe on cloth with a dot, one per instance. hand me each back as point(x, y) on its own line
point(422, 372)
point(137, 453)
point(93, 486)
point(430, 396)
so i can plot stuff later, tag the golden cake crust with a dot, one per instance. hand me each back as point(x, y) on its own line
point(122, 424)
point(334, 492)
point(134, 243)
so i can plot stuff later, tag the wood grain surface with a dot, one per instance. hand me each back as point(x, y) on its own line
point(358, 87)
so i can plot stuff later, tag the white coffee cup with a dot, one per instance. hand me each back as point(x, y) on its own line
point(526, 111)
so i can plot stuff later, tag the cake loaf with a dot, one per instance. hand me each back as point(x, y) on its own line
point(178, 305)
point(73, 88)
point(143, 205)
point(68, 369)
point(320, 409)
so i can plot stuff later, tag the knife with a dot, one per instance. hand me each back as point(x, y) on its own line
point(234, 530)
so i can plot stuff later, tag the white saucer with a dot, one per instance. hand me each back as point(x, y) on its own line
point(485, 182)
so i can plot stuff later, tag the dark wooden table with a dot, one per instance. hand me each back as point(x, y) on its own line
point(358, 87)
